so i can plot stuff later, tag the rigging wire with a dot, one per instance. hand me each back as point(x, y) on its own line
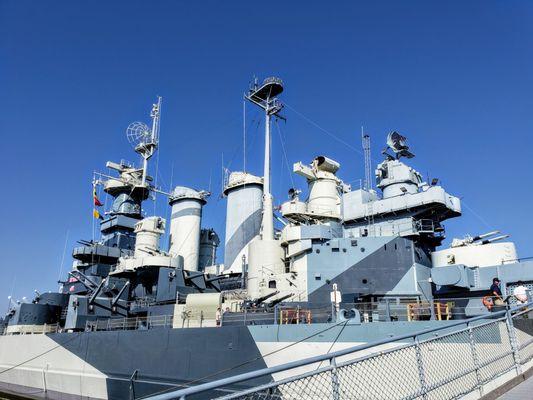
point(335, 341)
point(237, 148)
point(63, 256)
point(475, 214)
point(284, 153)
point(340, 140)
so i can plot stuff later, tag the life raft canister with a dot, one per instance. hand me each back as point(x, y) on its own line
point(487, 302)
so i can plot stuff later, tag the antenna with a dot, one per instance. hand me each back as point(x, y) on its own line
point(265, 96)
point(398, 144)
point(368, 160)
point(144, 139)
point(222, 180)
point(244, 135)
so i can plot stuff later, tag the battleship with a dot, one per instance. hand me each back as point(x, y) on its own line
point(330, 268)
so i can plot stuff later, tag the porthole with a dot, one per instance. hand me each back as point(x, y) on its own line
point(365, 281)
point(362, 249)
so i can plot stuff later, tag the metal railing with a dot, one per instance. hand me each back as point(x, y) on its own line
point(438, 363)
point(30, 329)
point(387, 310)
point(136, 323)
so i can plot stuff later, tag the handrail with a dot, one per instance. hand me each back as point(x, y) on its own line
point(181, 393)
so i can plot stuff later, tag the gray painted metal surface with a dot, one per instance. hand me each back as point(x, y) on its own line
point(467, 332)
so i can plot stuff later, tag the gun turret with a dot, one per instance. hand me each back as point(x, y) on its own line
point(475, 240)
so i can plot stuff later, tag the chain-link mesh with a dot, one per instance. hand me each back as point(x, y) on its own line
point(447, 366)
point(440, 368)
point(523, 330)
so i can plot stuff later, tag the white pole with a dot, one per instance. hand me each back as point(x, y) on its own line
point(267, 222)
point(145, 167)
point(244, 134)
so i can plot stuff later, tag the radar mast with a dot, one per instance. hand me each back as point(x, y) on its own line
point(144, 139)
point(265, 96)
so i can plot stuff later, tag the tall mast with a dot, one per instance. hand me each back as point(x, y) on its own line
point(368, 160)
point(148, 148)
point(265, 96)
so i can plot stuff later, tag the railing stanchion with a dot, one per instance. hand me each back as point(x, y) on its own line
point(432, 309)
point(420, 366)
point(513, 340)
point(475, 358)
point(335, 386)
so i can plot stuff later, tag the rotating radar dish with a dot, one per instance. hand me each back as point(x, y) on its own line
point(138, 134)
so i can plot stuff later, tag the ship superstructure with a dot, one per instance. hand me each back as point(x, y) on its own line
point(134, 310)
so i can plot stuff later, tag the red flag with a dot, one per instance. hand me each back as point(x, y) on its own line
point(97, 202)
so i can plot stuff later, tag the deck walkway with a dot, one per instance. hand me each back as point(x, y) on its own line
point(520, 392)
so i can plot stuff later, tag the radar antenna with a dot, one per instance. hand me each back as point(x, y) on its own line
point(398, 144)
point(368, 160)
point(144, 139)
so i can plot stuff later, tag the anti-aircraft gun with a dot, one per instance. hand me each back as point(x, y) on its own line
point(478, 240)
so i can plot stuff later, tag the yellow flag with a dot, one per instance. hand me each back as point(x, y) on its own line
point(96, 214)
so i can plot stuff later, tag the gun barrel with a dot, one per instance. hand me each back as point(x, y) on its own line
point(265, 297)
point(279, 300)
point(485, 235)
point(495, 239)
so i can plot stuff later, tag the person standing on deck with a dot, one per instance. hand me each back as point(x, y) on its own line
point(496, 293)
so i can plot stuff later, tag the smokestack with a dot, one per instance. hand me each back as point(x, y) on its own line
point(243, 216)
point(185, 225)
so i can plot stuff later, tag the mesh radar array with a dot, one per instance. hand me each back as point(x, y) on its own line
point(144, 139)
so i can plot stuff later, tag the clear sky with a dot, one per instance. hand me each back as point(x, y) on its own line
point(455, 77)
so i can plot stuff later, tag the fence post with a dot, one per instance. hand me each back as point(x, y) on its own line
point(45, 389)
point(432, 309)
point(387, 310)
point(133, 377)
point(513, 341)
point(421, 372)
point(335, 386)
point(475, 358)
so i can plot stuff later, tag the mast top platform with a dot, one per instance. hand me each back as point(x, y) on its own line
point(270, 88)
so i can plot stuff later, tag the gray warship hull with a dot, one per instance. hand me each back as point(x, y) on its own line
point(133, 364)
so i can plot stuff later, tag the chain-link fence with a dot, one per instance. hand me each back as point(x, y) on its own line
point(441, 363)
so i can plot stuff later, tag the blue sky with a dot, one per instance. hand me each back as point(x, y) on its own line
point(455, 77)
